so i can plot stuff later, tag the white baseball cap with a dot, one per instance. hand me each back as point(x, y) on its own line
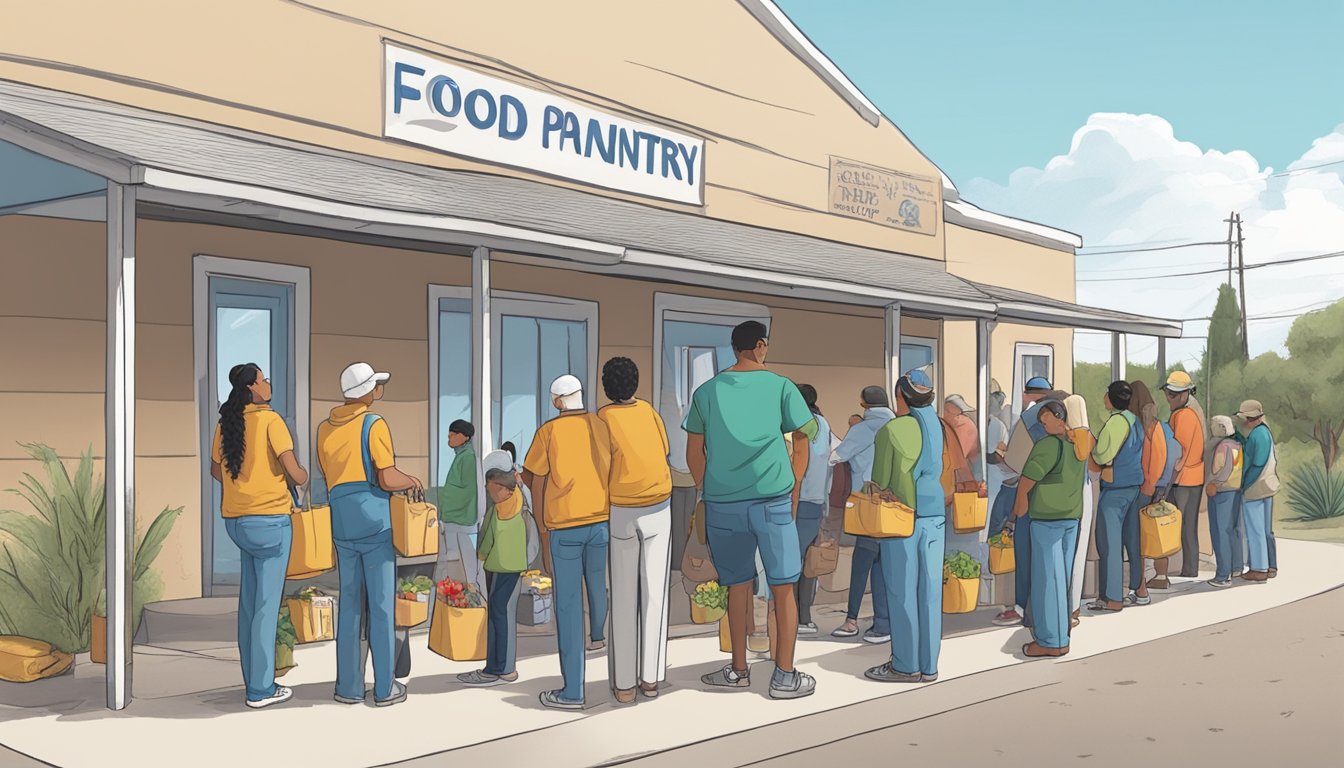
point(359, 379)
point(497, 460)
point(566, 385)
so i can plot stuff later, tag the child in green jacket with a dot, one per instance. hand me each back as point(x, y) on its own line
point(502, 551)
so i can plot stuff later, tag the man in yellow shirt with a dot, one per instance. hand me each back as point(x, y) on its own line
point(641, 533)
point(354, 449)
point(568, 467)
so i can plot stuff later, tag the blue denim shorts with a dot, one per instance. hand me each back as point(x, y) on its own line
point(737, 529)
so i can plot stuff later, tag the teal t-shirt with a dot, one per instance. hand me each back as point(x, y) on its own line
point(744, 416)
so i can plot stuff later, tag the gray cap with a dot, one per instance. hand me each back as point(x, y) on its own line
point(875, 397)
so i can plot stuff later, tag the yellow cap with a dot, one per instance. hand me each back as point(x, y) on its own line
point(1179, 381)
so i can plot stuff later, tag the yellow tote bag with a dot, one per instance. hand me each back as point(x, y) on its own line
point(868, 515)
point(458, 634)
point(312, 552)
point(415, 526)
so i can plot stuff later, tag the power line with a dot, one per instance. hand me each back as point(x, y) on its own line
point(1279, 263)
point(1155, 248)
point(1145, 269)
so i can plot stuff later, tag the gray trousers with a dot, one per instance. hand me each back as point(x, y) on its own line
point(1187, 498)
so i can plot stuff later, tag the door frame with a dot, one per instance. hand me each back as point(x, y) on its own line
point(437, 292)
point(205, 267)
point(547, 308)
point(695, 309)
point(1022, 349)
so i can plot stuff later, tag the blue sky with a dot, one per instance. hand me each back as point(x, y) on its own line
point(986, 86)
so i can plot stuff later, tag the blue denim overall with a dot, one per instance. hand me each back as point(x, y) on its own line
point(913, 567)
point(361, 524)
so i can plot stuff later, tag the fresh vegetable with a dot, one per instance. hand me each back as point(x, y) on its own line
point(308, 593)
point(1160, 509)
point(285, 638)
point(711, 596)
point(1001, 540)
point(459, 595)
point(961, 565)
point(420, 585)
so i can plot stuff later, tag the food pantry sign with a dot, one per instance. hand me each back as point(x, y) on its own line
point(453, 109)
point(892, 198)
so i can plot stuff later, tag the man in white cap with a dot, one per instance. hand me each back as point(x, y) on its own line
point(354, 449)
point(568, 468)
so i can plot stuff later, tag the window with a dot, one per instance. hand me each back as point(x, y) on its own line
point(1030, 360)
point(693, 337)
point(450, 365)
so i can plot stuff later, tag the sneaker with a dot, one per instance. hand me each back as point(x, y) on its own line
point(885, 674)
point(596, 645)
point(1220, 583)
point(728, 678)
point(1008, 618)
point(1273, 572)
point(281, 695)
point(807, 629)
point(873, 637)
point(397, 696)
point(1133, 599)
point(846, 630)
point(552, 700)
point(347, 700)
point(791, 685)
point(482, 679)
point(929, 678)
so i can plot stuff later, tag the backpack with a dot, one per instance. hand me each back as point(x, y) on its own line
point(1173, 458)
point(533, 537)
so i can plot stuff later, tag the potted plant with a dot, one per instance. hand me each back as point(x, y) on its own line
point(961, 582)
point(98, 630)
point(285, 638)
point(709, 602)
point(52, 574)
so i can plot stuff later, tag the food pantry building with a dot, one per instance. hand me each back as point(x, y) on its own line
point(477, 204)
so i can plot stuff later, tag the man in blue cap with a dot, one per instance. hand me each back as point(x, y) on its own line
point(908, 467)
point(1025, 433)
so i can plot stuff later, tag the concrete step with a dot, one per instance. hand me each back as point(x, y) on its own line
point(193, 620)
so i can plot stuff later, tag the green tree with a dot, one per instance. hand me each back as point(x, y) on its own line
point(1301, 393)
point(1224, 344)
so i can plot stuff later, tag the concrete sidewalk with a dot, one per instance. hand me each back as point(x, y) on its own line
point(189, 707)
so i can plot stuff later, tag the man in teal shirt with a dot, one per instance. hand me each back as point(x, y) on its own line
point(458, 516)
point(736, 451)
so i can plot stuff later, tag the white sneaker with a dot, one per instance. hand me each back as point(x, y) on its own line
point(281, 695)
point(807, 629)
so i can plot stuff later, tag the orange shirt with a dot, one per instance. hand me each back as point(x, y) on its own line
point(1190, 434)
point(573, 452)
point(1154, 457)
point(640, 476)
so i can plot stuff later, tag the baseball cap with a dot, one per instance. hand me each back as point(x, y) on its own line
point(359, 379)
point(1250, 409)
point(959, 402)
point(919, 379)
point(1038, 383)
point(1179, 381)
point(497, 460)
point(565, 386)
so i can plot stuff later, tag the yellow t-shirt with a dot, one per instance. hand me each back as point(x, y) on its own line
point(260, 488)
point(573, 452)
point(640, 475)
point(338, 451)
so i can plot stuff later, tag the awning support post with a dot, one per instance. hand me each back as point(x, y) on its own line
point(984, 330)
point(893, 348)
point(1118, 356)
point(481, 415)
point(1161, 359)
point(119, 427)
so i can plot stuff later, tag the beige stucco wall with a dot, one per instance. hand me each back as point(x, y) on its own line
point(367, 303)
point(312, 72)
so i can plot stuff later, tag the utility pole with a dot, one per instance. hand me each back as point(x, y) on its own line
point(1241, 277)
point(1231, 219)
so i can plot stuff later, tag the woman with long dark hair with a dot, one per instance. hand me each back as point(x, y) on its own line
point(253, 459)
point(812, 496)
point(1144, 407)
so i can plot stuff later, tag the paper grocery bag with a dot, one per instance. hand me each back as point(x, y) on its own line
point(415, 526)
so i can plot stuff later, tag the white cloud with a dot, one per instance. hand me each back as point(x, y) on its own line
point(1128, 179)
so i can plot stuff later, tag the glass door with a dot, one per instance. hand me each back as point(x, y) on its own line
point(692, 354)
point(250, 321)
point(540, 339)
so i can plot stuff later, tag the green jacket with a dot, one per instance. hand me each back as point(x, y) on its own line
point(503, 543)
point(457, 497)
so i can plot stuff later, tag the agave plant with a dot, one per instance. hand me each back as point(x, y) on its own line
point(52, 559)
point(1316, 493)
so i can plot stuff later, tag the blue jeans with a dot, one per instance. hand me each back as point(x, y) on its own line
point(1053, 543)
point(865, 564)
point(367, 569)
point(1113, 509)
point(913, 567)
point(809, 527)
point(1223, 514)
point(737, 530)
point(1256, 517)
point(578, 555)
point(1133, 541)
point(501, 649)
point(263, 548)
point(1022, 575)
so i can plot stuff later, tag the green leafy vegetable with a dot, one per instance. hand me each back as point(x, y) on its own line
point(961, 565)
point(1001, 540)
point(711, 596)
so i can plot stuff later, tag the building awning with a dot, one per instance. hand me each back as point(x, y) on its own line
point(199, 165)
point(1031, 309)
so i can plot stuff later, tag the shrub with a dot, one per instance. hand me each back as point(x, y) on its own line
point(52, 562)
point(1315, 493)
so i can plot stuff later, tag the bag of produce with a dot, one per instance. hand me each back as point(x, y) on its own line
point(961, 582)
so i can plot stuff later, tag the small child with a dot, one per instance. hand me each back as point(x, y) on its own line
point(503, 553)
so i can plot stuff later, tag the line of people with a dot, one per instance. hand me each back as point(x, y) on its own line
point(596, 490)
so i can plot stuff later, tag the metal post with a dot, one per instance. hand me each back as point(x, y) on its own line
point(1118, 356)
point(893, 348)
point(481, 406)
point(119, 427)
point(1161, 360)
point(983, 331)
